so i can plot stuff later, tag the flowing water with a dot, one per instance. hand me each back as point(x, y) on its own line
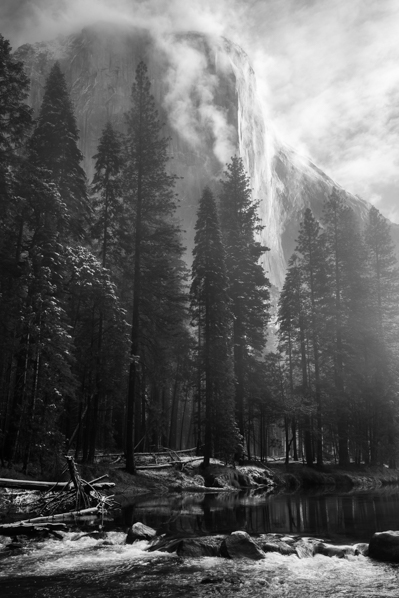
point(84, 566)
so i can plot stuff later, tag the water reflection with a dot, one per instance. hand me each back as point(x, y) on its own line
point(341, 517)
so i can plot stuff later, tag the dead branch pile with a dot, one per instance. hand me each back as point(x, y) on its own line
point(77, 495)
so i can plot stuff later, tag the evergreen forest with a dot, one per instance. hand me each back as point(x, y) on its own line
point(109, 342)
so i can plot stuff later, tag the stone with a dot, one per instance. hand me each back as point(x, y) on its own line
point(384, 546)
point(280, 547)
point(196, 547)
point(362, 548)
point(305, 548)
point(240, 545)
point(139, 531)
point(330, 550)
point(189, 547)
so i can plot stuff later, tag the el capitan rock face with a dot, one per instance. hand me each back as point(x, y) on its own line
point(206, 95)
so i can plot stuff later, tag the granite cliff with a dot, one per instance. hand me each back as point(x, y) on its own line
point(206, 94)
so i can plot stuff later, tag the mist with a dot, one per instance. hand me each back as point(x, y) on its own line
point(326, 69)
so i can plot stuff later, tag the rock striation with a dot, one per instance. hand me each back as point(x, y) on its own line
point(206, 94)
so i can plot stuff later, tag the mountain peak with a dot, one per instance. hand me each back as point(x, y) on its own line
point(206, 94)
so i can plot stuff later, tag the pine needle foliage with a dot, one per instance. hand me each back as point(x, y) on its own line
point(248, 285)
point(54, 147)
point(210, 308)
point(153, 245)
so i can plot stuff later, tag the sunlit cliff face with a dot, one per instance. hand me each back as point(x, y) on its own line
point(205, 90)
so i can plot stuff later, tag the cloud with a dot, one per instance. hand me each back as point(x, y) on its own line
point(37, 20)
point(327, 70)
point(190, 99)
point(332, 86)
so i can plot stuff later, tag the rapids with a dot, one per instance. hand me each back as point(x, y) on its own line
point(89, 567)
point(82, 566)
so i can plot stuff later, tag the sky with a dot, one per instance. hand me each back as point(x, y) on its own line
point(328, 70)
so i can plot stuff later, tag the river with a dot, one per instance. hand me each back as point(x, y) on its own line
point(85, 566)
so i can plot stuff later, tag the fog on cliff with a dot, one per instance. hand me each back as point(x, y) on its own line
point(327, 70)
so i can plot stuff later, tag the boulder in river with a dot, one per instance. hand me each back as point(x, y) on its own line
point(361, 548)
point(139, 531)
point(190, 547)
point(240, 545)
point(384, 546)
point(330, 550)
point(276, 543)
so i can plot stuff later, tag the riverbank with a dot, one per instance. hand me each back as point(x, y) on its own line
point(219, 478)
point(296, 475)
point(271, 478)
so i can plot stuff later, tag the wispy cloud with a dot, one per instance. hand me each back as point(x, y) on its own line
point(328, 71)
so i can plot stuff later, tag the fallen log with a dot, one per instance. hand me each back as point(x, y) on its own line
point(63, 516)
point(164, 452)
point(181, 464)
point(45, 486)
point(161, 466)
point(29, 529)
point(49, 523)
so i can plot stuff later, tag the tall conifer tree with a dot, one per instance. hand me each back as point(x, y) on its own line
point(382, 330)
point(294, 337)
point(211, 314)
point(156, 249)
point(15, 124)
point(312, 264)
point(345, 266)
point(54, 147)
point(249, 287)
point(107, 190)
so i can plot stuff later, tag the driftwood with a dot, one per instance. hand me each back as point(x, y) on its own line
point(46, 486)
point(163, 451)
point(29, 529)
point(60, 516)
point(62, 498)
point(84, 497)
point(181, 464)
point(50, 523)
point(161, 466)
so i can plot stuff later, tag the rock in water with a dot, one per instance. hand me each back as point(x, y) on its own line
point(305, 548)
point(384, 546)
point(361, 548)
point(338, 551)
point(280, 547)
point(139, 531)
point(240, 545)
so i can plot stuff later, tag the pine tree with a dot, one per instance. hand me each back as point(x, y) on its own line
point(294, 336)
point(312, 264)
point(35, 363)
point(383, 273)
point(107, 190)
point(156, 249)
point(100, 335)
point(249, 287)
point(54, 148)
point(107, 208)
point(381, 354)
point(345, 272)
point(15, 125)
point(211, 314)
point(15, 117)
